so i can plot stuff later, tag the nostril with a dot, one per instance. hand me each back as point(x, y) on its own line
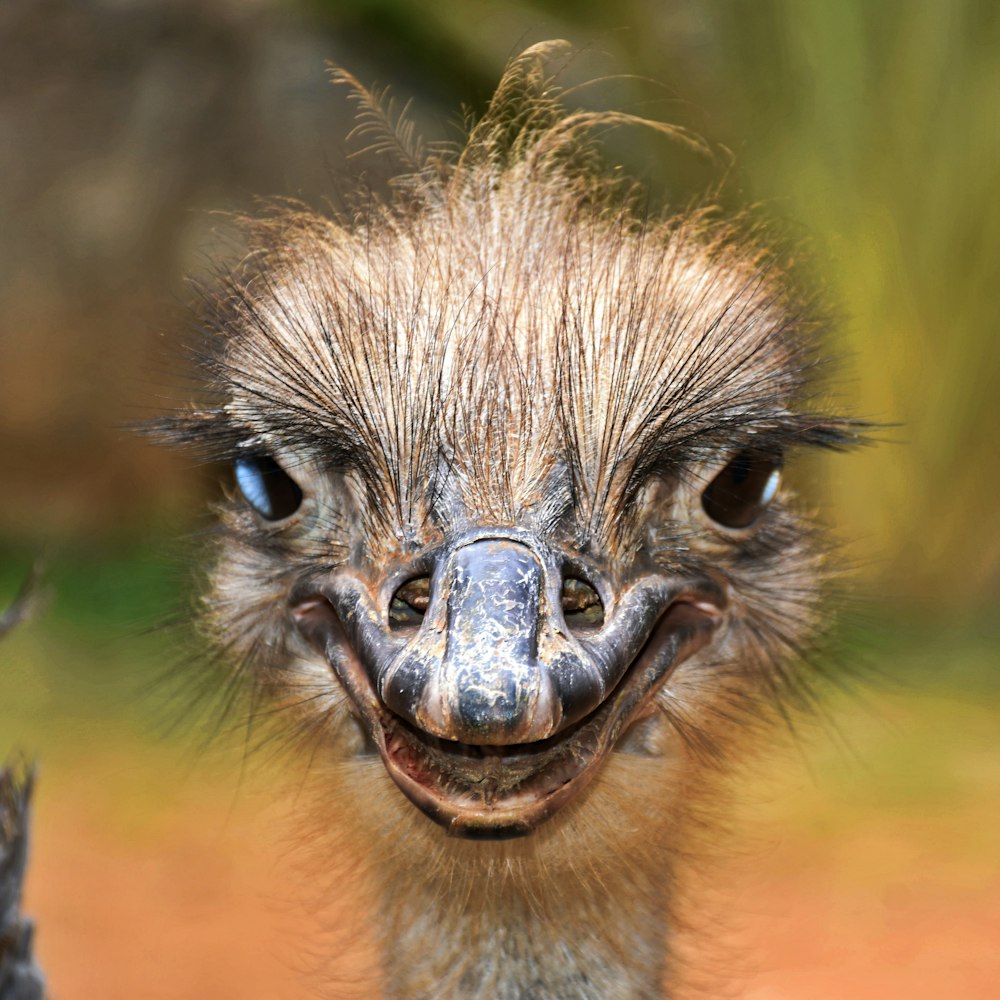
point(409, 603)
point(581, 605)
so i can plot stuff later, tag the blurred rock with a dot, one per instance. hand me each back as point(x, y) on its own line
point(123, 125)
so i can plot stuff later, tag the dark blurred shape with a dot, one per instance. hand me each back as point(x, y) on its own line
point(20, 977)
point(26, 602)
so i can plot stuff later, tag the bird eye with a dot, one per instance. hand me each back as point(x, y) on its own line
point(267, 487)
point(738, 495)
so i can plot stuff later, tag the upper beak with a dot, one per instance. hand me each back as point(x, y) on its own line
point(493, 662)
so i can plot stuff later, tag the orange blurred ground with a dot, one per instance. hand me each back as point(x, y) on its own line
point(191, 899)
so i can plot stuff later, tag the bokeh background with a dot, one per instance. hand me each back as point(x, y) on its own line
point(868, 132)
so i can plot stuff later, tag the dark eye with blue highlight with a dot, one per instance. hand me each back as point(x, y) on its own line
point(740, 493)
point(267, 487)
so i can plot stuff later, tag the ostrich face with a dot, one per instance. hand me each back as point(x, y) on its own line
point(508, 480)
point(494, 665)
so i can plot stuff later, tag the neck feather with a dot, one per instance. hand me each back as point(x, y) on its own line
point(579, 909)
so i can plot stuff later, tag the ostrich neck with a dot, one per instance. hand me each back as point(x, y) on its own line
point(518, 932)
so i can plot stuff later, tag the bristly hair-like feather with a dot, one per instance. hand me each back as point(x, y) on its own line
point(411, 329)
point(385, 130)
point(504, 311)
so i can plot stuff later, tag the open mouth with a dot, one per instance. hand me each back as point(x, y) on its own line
point(504, 791)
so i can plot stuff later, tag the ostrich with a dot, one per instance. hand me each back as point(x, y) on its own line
point(508, 535)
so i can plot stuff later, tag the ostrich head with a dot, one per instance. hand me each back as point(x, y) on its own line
point(508, 463)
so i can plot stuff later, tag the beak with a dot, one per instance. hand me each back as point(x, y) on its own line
point(493, 665)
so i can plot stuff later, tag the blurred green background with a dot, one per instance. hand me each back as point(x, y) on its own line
point(869, 132)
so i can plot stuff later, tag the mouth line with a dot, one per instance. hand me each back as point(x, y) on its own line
point(500, 792)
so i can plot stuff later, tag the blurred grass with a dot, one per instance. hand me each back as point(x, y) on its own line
point(81, 671)
point(884, 140)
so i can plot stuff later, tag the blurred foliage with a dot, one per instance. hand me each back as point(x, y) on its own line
point(84, 667)
point(884, 138)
